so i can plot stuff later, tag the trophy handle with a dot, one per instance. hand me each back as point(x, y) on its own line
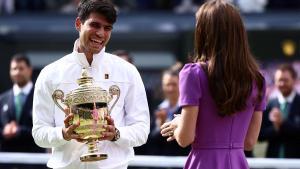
point(58, 95)
point(113, 90)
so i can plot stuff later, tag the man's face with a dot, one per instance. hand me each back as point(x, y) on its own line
point(284, 82)
point(20, 73)
point(170, 86)
point(94, 33)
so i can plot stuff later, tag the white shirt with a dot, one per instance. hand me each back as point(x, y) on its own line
point(130, 114)
point(26, 89)
point(288, 99)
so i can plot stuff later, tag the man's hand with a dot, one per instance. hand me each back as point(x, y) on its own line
point(7, 131)
point(275, 117)
point(161, 117)
point(68, 131)
point(10, 130)
point(110, 130)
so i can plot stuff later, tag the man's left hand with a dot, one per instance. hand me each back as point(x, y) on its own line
point(110, 130)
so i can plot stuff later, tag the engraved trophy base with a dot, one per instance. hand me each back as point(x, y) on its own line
point(90, 157)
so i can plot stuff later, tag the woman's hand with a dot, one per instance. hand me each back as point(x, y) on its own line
point(168, 128)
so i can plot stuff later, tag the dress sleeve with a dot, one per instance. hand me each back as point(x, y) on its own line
point(261, 106)
point(189, 85)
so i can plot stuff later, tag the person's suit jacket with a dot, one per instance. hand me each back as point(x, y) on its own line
point(158, 145)
point(23, 142)
point(289, 133)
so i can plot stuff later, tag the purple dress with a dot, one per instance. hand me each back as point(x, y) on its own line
point(219, 141)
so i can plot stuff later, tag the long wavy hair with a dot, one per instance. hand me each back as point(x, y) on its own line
point(221, 42)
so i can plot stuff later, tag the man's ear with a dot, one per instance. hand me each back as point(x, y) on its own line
point(77, 24)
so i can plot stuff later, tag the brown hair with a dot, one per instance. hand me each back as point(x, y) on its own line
point(289, 68)
point(221, 39)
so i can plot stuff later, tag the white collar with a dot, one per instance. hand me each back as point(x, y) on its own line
point(81, 58)
point(166, 104)
point(26, 89)
point(289, 98)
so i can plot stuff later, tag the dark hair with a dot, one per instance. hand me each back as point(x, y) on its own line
point(176, 67)
point(103, 7)
point(221, 39)
point(20, 57)
point(171, 72)
point(121, 52)
point(289, 68)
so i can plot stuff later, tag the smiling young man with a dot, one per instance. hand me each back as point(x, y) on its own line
point(128, 124)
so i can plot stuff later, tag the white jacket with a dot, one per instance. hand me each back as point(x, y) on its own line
point(130, 114)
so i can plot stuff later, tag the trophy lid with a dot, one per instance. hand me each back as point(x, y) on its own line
point(87, 92)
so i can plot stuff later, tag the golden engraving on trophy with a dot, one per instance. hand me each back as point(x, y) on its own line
point(89, 104)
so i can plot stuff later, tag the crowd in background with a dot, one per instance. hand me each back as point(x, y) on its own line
point(268, 69)
point(160, 113)
point(178, 6)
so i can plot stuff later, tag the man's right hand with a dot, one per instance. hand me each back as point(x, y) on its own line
point(161, 117)
point(68, 130)
point(10, 130)
point(275, 117)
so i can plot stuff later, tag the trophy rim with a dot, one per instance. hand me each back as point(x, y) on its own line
point(94, 94)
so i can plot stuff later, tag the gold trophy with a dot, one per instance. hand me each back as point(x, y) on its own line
point(89, 104)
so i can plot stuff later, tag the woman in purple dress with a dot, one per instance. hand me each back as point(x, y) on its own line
point(222, 94)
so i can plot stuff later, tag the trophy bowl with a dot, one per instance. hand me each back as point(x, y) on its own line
point(89, 104)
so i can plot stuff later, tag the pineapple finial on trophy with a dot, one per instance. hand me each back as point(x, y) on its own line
point(85, 79)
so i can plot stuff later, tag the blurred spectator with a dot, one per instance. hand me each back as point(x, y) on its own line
point(53, 5)
point(268, 73)
point(187, 6)
point(252, 6)
point(126, 5)
point(176, 67)
point(7, 6)
point(30, 5)
point(281, 120)
point(124, 55)
point(71, 7)
point(166, 111)
point(16, 111)
point(296, 66)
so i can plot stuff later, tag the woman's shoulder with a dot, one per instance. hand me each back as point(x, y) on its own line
point(192, 68)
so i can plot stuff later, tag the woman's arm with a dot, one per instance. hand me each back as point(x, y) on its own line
point(185, 132)
point(253, 130)
point(183, 126)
